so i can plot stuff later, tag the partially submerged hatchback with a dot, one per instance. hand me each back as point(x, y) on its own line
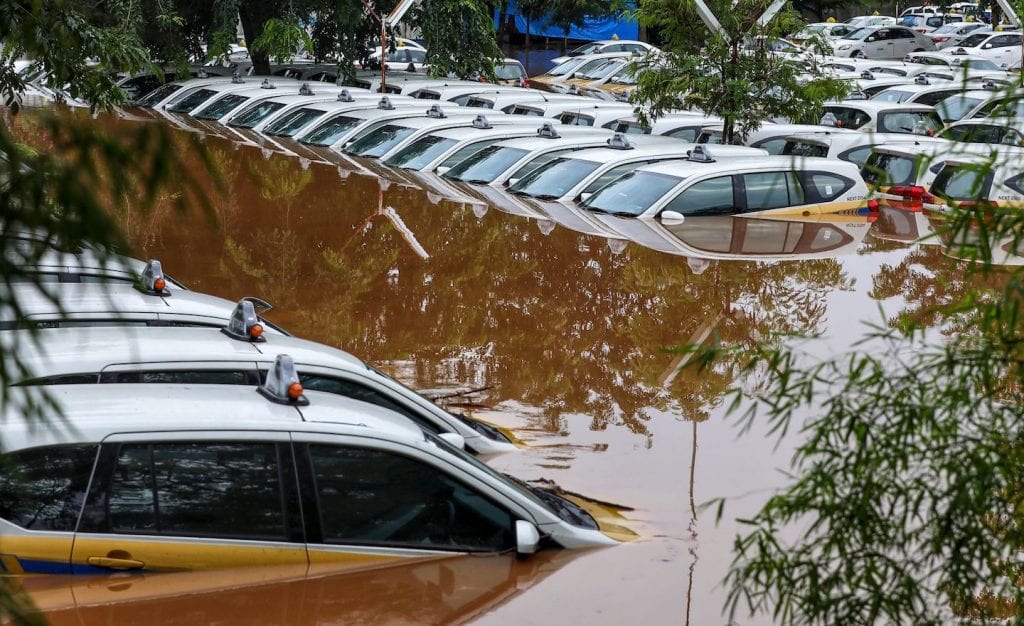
point(149, 478)
point(92, 304)
point(778, 185)
point(233, 355)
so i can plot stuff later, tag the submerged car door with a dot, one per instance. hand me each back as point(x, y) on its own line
point(380, 502)
point(191, 501)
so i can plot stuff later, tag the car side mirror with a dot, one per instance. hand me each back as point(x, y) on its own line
point(986, 46)
point(583, 197)
point(442, 170)
point(511, 182)
point(454, 439)
point(870, 39)
point(527, 538)
point(673, 217)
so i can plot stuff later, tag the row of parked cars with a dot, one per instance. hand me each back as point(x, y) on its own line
point(183, 431)
point(195, 433)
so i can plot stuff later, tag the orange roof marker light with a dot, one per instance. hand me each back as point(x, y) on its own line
point(283, 384)
point(244, 325)
point(152, 281)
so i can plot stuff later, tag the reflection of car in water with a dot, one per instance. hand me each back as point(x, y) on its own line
point(896, 224)
point(441, 591)
point(724, 237)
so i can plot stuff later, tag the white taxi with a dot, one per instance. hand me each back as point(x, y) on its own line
point(149, 478)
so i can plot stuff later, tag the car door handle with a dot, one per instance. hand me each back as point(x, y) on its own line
point(114, 563)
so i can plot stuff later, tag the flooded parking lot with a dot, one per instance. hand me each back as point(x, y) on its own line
point(558, 334)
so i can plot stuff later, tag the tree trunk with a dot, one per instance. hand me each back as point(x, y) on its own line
point(253, 16)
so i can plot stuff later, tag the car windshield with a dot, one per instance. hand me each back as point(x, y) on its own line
point(554, 180)
point(421, 152)
point(892, 95)
point(567, 67)
point(585, 49)
point(912, 20)
point(576, 119)
point(956, 106)
point(624, 76)
point(220, 108)
point(379, 141)
point(804, 148)
point(971, 41)
point(255, 114)
point(328, 133)
point(606, 69)
point(860, 33)
point(509, 71)
point(632, 194)
point(978, 64)
point(292, 123)
point(591, 66)
point(486, 165)
point(909, 122)
point(158, 94)
point(187, 102)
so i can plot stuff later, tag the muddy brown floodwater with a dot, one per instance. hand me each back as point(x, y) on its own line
point(565, 331)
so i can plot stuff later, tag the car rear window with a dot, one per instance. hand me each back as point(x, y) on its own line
point(963, 182)
point(887, 170)
point(909, 122)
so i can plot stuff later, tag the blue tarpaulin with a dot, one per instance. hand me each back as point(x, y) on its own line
point(593, 30)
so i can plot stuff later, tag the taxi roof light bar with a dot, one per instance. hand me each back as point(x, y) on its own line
point(618, 141)
point(244, 325)
point(482, 122)
point(547, 130)
point(152, 281)
point(700, 154)
point(345, 96)
point(282, 385)
point(436, 112)
point(306, 90)
point(266, 84)
point(385, 104)
point(829, 119)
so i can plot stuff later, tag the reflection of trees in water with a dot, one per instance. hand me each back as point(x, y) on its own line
point(557, 321)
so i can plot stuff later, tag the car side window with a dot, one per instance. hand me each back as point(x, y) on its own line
point(207, 489)
point(44, 488)
point(713, 196)
point(380, 497)
point(827, 186)
point(772, 190)
point(359, 391)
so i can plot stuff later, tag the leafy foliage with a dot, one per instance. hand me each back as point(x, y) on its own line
point(64, 197)
point(906, 502)
point(460, 37)
point(734, 75)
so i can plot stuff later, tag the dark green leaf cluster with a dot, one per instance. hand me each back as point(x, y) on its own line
point(734, 74)
point(906, 502)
